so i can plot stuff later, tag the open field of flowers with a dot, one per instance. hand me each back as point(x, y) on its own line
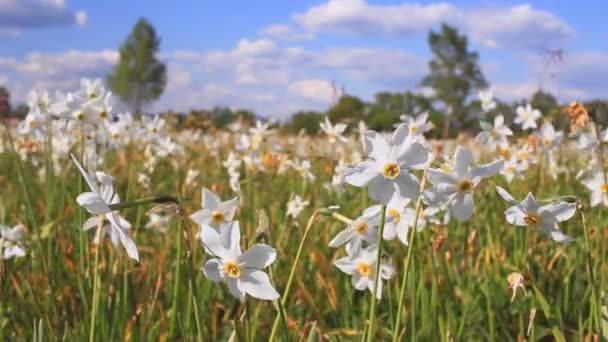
point(115, 228)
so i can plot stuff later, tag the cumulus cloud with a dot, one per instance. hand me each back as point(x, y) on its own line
point(286, 32)
point(320, 91)
point(19, 15)
point(520, 26)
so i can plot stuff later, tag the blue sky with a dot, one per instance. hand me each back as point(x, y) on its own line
point(277, 57)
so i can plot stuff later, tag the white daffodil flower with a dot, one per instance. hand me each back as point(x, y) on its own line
point(527, 116)
point(361, 265)
point(455, 188)
point(417, 125)
point(396, 223)
point(214, 212)
point(364, 228)
point(34, 125)
point(242, 271)
point(486, 97)
point(545, 218)
point(10, 241)
point(549, 138)
point(598, 187)
point(512, 168)
point(387, 170)
point(295, 206)
point(158, 223)
point(97, 202)
point(334, 132)
point(494, 135)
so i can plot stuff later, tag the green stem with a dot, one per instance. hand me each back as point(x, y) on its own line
point(595, 304)
point(411, 240)
point(374, 299)
point(95, 283)
point(144, 201)
point(176, 280)
point(292, 273)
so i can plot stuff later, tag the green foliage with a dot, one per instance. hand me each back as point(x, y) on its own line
point(454, 73)
point(307, 121)
point(139, 76)
point(348, 109)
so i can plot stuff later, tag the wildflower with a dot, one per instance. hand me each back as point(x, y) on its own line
point(456, 187)
point(494, 135)
point(334, 132)
point(549, 138)
point(516, 281)
point(387, 170)
point(295, 206)
point(34, 124)
point(527, 116)
point(39, 101)
point(242, 271)
point(10, 241)
point(579, 117)
point(598, 187)
point(545, 218)
point(97, 202)
point(486, 97)
point(361, 265)
point(157, 222)
point(214, 211)
point(259, 133)
point(363, 228)
point(191, 177)
point(512, 168)
point(417, 125)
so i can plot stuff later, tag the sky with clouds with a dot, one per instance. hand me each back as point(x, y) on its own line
point(277, 57)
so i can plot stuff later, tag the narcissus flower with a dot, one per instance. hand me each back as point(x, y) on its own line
point(295, 206)
point(364, 228)
point(97, 202)
point(388, 168)
point(10, 241)
point(527, 116)
point(486, 97)
point(494, 135)
point(455, 188)
point(545, 218)
point(214, 212)
point(516, 281)
point(334, 132)
point(361, 265)
point(242, 271)
point(599, 188)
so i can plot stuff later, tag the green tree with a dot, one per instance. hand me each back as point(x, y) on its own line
point(139, 76)
point(5, 102)
point(348, 109)
point(307, 121)
point(454, 72)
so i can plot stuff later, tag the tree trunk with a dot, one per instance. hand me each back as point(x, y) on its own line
point(448, 120)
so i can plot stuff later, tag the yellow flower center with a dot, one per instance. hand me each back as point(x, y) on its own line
point(395, 214)
point(523, 155)
point(154, 130)
point(103, 115)
point(80, 116)
point(510, 169)
point(465, 185)
point(361, 227)
point(232, 268)
point(391, 170)
point(217, 216)
point(547, 142)
point(364, 268)
point(533, 219)
point(604, 187)
point(493, 133)
point(33, 124)
point(414, 129)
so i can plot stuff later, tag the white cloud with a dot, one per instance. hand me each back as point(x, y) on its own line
point(286, 32)
point(19, 15)
point(359, 17)
point(519, 26)
point(319, 91)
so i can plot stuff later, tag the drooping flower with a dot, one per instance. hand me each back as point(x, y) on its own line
point(361, 265)
point(515, 281)
point(157, 222)
point(10, 241)
point(455, 188)
point(214, 211)
point(527, 116)
point(388, 168)
point(242, 271)
point(97, 202)
point(545, 218)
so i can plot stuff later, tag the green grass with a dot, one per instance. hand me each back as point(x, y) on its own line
point(456, 287)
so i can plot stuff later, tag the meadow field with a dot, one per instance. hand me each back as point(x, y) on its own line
point(115, 228)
